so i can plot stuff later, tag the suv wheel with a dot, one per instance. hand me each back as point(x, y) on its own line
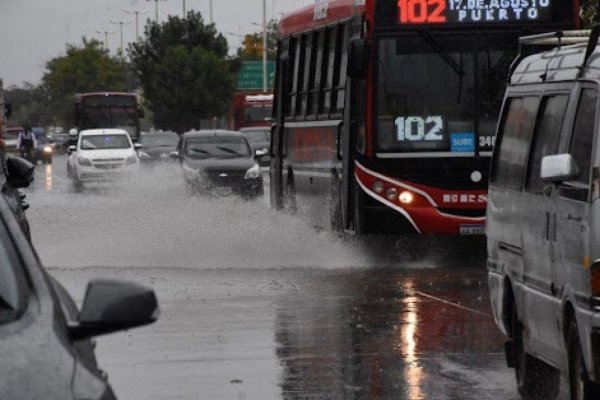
point(535, 378)
point(580, 386)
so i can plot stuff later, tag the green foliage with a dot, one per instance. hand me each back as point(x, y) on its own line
point(183, 71)
point(590, 13)
point(27, 106)
point(252, 49)
point(85, 68)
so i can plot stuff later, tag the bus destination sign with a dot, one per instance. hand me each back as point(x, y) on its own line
point(415, 12)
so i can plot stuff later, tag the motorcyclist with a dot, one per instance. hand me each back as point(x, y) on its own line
point(73, 137)
point(27, 143)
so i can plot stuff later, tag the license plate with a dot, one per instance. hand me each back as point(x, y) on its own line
point(223, 191)
point(474, 229)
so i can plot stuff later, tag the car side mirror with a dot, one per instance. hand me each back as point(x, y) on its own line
point(71, 149)
point(138, 146)
point(358, 58)
point(175, 156)
point(112, 306)
point(19, 172)
point(559, 168)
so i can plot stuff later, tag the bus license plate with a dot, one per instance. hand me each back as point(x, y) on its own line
point(475, 229)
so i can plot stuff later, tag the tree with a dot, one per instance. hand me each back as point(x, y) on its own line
point(252, 49)
point(85, 68)
point(27, 105)
point(590, 13)
point(183, 70)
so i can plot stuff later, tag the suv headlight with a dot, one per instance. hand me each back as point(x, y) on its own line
point(132, 159)
point(253, 172)
point(84, 162)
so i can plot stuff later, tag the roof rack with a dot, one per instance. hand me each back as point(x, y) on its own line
point(556, 40)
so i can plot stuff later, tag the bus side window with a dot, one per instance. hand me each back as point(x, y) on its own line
point(327, 93)
point(297, 76)
point(514, 138)
point(341, 68)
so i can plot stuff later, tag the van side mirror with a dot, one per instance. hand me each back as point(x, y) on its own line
point(112, 306)
point(559, 168)
point(358, 58)
point(20, 172)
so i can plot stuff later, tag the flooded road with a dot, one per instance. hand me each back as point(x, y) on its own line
point(258, 305)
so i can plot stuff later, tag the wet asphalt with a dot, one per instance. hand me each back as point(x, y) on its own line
point(259, 306)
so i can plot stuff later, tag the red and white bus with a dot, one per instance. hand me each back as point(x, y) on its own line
point(386, 110)
point(109, 110)
point(251, 110)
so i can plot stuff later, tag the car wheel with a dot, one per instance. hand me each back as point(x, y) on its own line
point(580, 386)
point(535, 379)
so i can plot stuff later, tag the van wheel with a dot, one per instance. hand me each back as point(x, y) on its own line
point(535, 379)
point(580, 386)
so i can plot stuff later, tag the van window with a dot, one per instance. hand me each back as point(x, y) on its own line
point(583, 133)
point(514, 136)
point(545, 137)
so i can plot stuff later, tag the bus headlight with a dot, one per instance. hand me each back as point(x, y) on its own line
point(406, 197)
point(391, 194)
point(253, 172)
point(378, 187)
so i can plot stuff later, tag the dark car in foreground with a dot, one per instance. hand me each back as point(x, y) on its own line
point(157, 146)
point(260, 140)
point(44, 340)
point(16, 173)
point(220, 163)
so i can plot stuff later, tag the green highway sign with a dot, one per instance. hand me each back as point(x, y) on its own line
point(250, 76)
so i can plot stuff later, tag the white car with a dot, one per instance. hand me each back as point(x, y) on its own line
point(102, 155)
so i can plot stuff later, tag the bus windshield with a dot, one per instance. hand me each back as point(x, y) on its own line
point(108, 117)
point(428, 99)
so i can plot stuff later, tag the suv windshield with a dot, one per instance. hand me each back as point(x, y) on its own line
point(105, 142)
point(13, 286)
point(412, 117)
point(255, 136)
point(217, 147)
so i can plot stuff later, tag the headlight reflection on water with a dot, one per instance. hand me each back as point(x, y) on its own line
point(413, 372)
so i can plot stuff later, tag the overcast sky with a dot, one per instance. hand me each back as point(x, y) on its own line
point(33, 31)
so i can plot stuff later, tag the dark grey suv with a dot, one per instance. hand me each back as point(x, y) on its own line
point(44, 340)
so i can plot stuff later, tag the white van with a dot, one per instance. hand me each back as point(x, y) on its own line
point(543, 219)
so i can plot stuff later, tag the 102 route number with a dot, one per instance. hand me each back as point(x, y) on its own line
point(419, 129)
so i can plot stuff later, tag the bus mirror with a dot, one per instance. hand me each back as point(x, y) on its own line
point(8, 110)
point(141, 113)
point(358, 58)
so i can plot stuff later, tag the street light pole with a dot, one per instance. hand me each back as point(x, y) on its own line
point(105, 33)
point(121, 23)
point(265, 85)
point(211, 11)
point(137, 15)
point(183, 8)
point(155, 9)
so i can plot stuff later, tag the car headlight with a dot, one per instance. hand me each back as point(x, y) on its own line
point(132, 159)
point(47, 149)
point(84, 162)
point(253, 172)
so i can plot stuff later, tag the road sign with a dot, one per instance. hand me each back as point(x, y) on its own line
point(250, 76)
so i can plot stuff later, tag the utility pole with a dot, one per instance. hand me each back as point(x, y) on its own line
point(155, 8)
point(105, 33)
point(137, 16)
point(183, 8)
point(121, 23)
point(265, 85)
point(210, 4)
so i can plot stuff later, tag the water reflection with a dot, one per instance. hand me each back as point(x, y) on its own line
point(372, 335)
point(49, 177)
point(413, 373)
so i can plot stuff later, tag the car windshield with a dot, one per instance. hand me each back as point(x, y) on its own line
point(165, 140)
point(217, 147)
point(255, 136)
point(105, 142)
point(13, 287)
point(12, 134)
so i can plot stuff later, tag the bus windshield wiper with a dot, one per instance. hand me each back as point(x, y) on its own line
point(456, 67)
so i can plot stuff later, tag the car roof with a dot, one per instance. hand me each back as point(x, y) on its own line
point(213, 133)
point(558, 65)
point(255, 128)
point(92, 132)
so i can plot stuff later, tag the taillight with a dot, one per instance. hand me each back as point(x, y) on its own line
point(595, 280)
